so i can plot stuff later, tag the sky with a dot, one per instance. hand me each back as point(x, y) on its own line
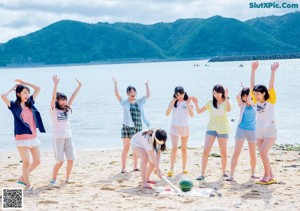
point(20, 17)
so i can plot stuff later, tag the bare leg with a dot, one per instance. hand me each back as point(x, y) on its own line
point(234, 160)
point(36, 160)
point(56, 168)
point(264, 150)
point(24, 153)
point(126, 146)
point(209, 141)
point(149, 170)
point(142, 154)
point(223, 152)
point(173, 151)
point(184, 141)
point(135, 161)
point(69, 169)
point(252, 153)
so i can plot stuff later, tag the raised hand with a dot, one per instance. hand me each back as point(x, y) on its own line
point(147, 83)
point(173, 101)
point(13, 88)
point(226, 93)
point(20, 81)
point(79, 83)
point(254, 65)
point(55, 79)
point(274, 66)
point(195, 100)
point(115, 81)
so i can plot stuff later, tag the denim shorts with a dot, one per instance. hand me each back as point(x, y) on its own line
point(242, 135)
point(215, 134)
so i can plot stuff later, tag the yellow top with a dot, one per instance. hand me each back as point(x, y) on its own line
point(218, 120)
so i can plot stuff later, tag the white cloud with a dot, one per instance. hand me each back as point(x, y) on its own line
point(22, 17)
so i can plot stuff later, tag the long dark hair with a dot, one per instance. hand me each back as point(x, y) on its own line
point(180, 90)
point(219, 89)
point(19, 89)
point(262, 89)
point(62, 96)
point(160, 135)
point(245, 91)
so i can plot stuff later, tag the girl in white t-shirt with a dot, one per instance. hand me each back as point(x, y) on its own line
point(62, 134)
point(148, 145)
point(181, 111)
point(266, 131)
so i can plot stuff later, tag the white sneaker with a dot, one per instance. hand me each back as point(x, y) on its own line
point(28, 190)
point(52, 183)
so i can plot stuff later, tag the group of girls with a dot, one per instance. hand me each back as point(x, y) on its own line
point(256, 125)
point(27, 119)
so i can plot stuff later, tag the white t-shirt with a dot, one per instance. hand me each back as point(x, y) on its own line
point(61, 123)
point(265, 111)
point(140, 140)
point(180, 114)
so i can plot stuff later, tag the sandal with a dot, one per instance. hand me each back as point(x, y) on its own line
point(263, 182)
point(170, 173)
point(147, 186)
point(21, 183)
point(151, 182)
point(136, 169)
point(123, 171)
point(272, 181)
point(200, 178)
point(185, 171)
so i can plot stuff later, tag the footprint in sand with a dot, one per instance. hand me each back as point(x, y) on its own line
point(48, 202)
point(107, 188)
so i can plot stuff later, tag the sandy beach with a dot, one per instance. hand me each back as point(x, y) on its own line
point(97, 184)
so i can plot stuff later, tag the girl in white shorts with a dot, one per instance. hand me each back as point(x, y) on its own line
point(26, 119)
point(266, 132)
point(148, 145)
point(181, 111)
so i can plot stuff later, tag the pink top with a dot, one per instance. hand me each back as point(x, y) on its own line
point(27, 117)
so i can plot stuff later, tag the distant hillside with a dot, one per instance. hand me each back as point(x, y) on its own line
point(67, 41)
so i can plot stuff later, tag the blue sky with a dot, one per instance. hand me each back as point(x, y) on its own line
point(20, 17)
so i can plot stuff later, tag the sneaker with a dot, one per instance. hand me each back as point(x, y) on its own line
point(200, 178)
point(52, 183)
point(28, 190)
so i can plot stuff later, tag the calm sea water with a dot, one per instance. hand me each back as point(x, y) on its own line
point(97, 116)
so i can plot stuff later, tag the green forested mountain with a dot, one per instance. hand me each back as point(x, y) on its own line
point(67, 41)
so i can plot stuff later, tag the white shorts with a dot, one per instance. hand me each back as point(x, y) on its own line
point(269, 132)
point(63, 147)
point(31, 143)
point(180, 131)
